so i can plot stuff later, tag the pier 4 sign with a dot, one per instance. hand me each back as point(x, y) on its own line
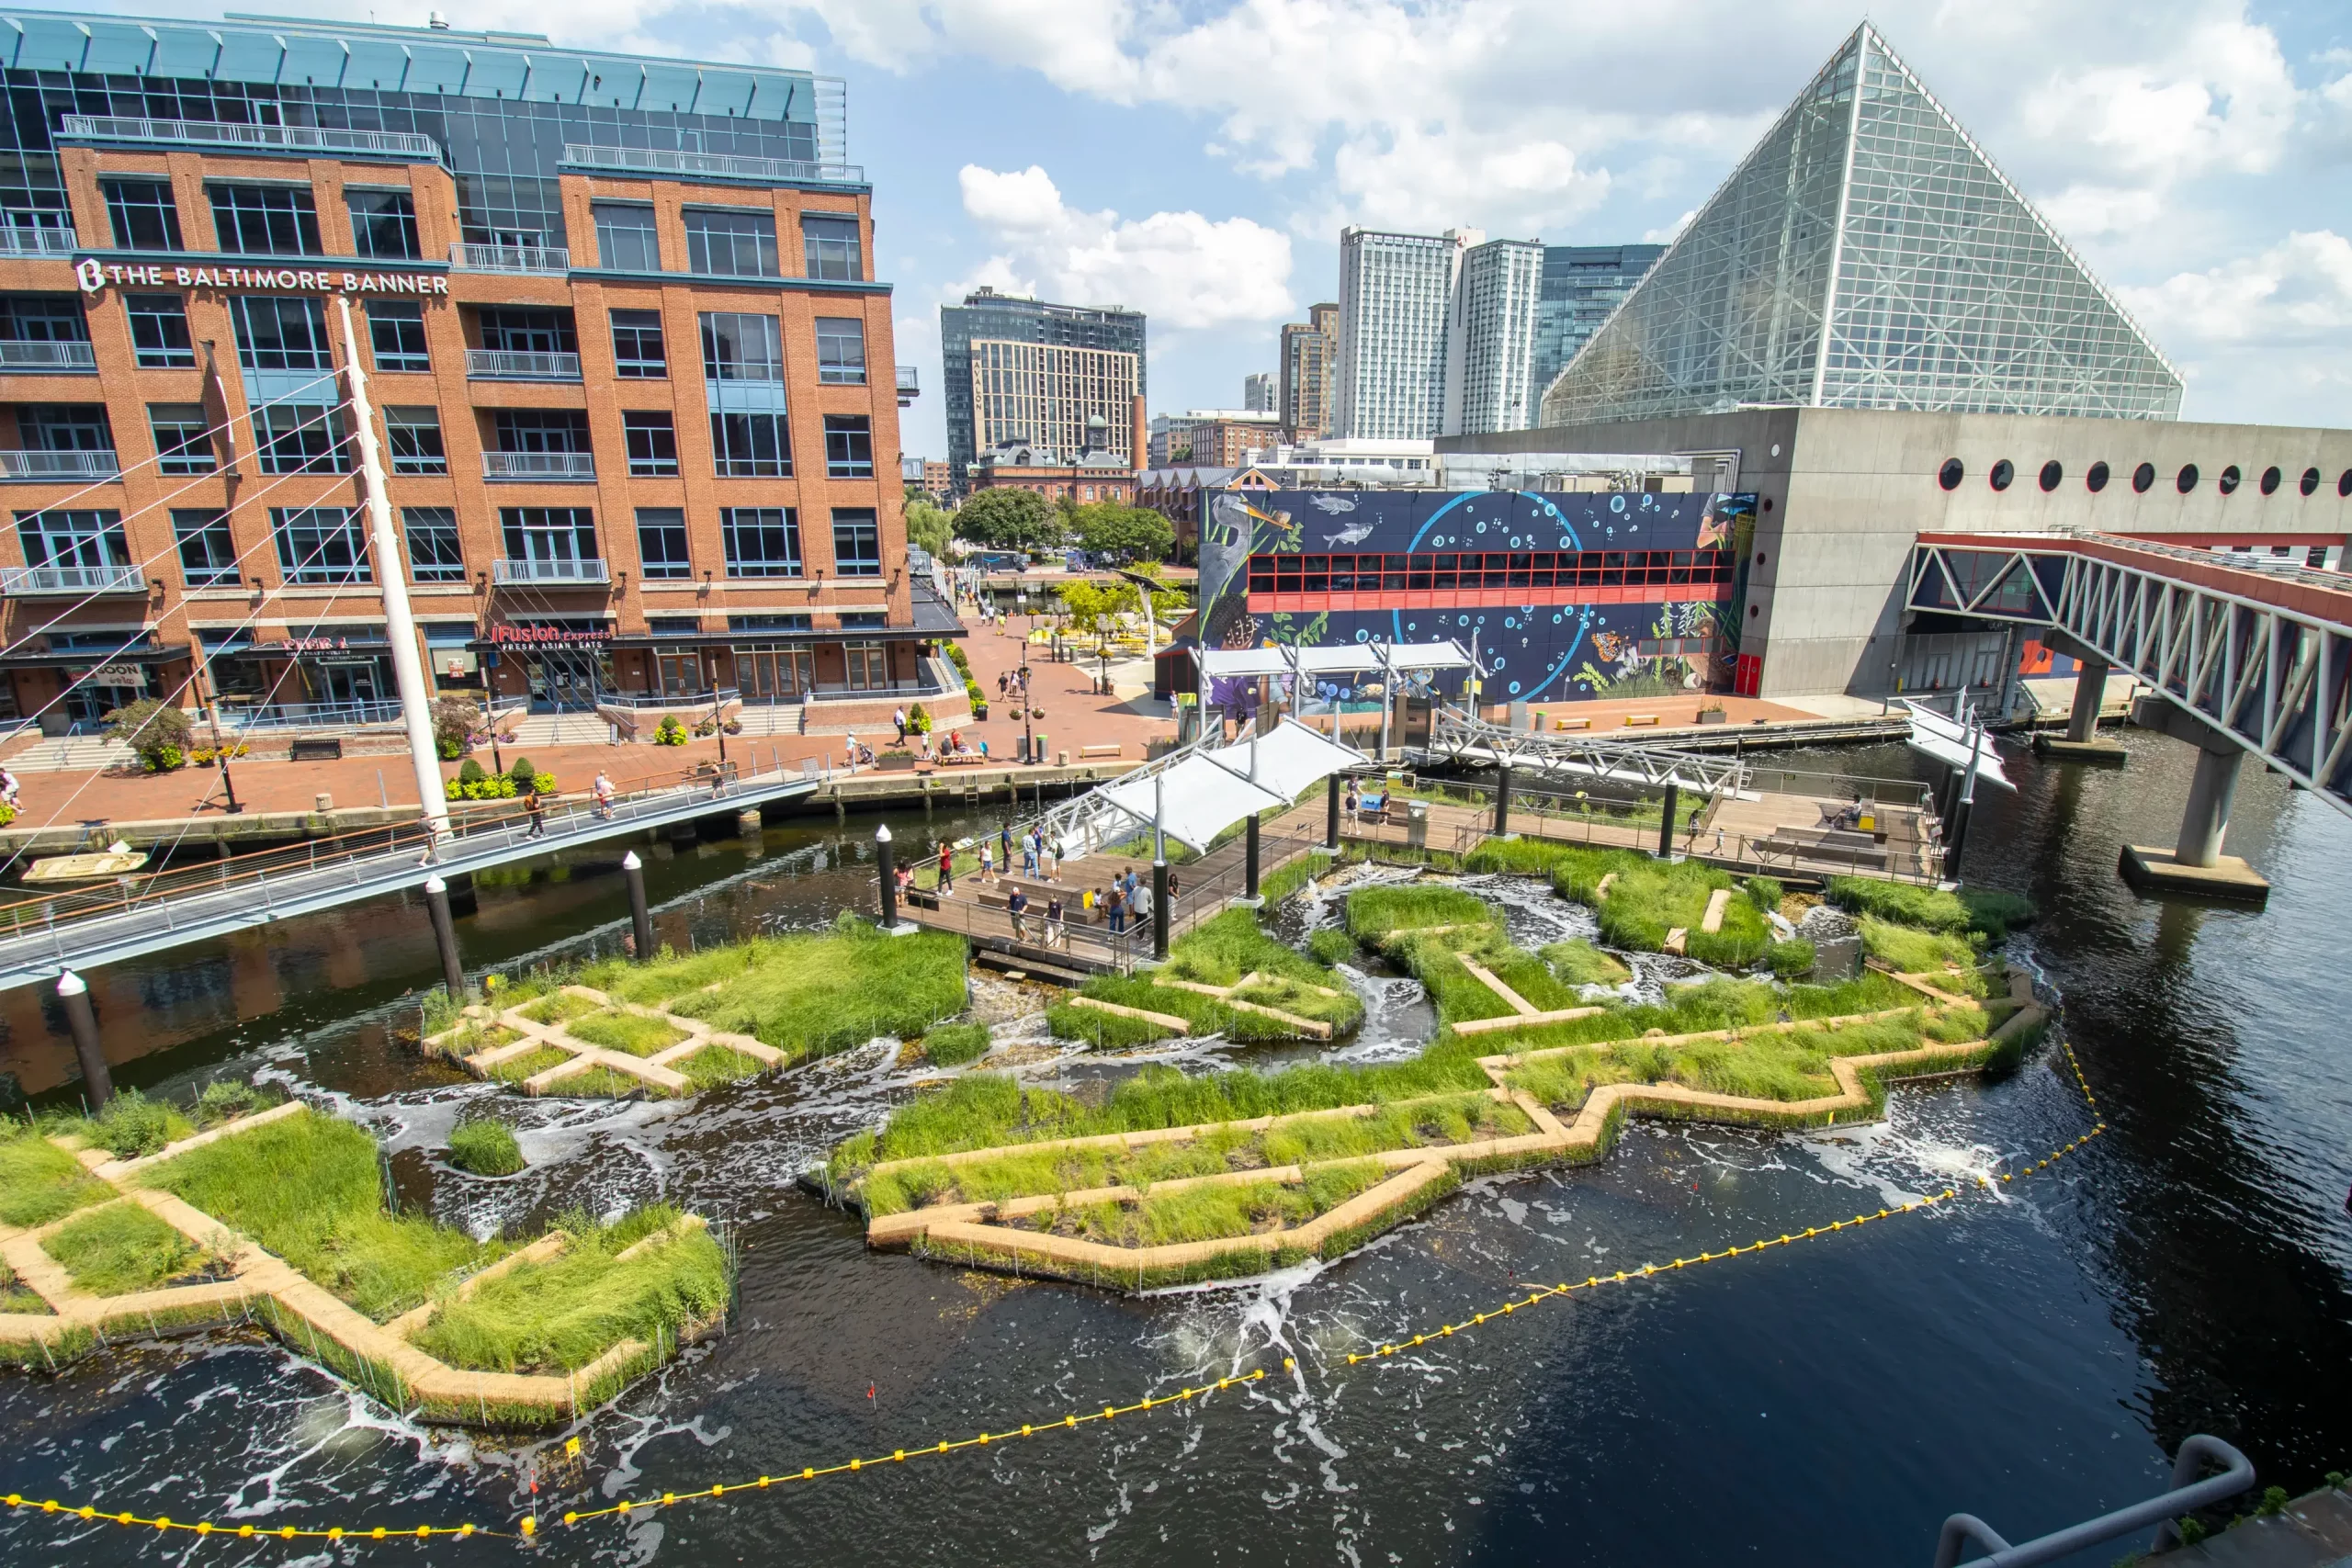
point(94, 276)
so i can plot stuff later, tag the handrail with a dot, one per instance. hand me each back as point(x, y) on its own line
point(16, 579)
point(2185, 1498)
point(51, 911)
point(48, 354)
point(549, 466)
point(539, 261)
point(208, 132)
point(2309, 576)
point(37, 240)
point(34, 464)
point(520, 364)
point(661, 161)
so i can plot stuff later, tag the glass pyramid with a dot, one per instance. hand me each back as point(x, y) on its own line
point(1867, 206)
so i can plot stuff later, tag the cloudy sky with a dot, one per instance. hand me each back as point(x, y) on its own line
point(1196, 158)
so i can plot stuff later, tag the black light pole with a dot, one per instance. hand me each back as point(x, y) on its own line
point(889, 878)
point(1028, 733)
point(718, 726)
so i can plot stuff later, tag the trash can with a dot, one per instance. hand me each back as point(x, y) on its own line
point(1416, 823)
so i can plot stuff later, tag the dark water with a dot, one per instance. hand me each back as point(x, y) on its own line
point(2029, 1356)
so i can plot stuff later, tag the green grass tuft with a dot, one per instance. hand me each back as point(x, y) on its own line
point(39, 1181)
point(1909, 951)
point(485, 1147)
point(529, 1064)
point(716, 1065)
point(122, 1248)
point(1331, 945)
point(1577, 963)
point(632, 1033)
point(1375, 912)
point(1793, 959)
point(1985, 911)
point(952, 1045)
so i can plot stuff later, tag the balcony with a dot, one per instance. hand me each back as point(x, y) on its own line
point(27, 581)
point(514, 365)
point(529, 261)
point(768, 171)
point(543, 467)
point(909, 389)
point(37, 466)
point(14, 242)
point(534, 572)
point(304, 139)
point(49, 357)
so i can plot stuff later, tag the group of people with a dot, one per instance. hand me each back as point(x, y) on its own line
point(7, 787)
point(1124, 905)
point(1126, 901)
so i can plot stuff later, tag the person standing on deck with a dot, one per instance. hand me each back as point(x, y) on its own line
point(1018, 907)
point(1056, 934)
point(899, 717)
point(946, 870)
point(1117, 903)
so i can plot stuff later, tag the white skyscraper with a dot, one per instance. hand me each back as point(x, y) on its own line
point(1261, 393)
point(1436, 334)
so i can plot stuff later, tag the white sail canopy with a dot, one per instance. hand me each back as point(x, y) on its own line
point(1200, 796)
point(1353, 658)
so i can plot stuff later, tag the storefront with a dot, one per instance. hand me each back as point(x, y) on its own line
point(82, 677)
point(563, 664)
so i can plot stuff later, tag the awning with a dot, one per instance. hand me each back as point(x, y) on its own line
point(1203, 793)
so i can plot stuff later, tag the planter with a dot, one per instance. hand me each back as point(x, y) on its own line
point(1710, 716)
point(900, 763)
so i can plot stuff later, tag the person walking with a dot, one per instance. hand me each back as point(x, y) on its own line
point(1018, 907)
point(988, 872)
point(899, 717)
point(1056, 934)
point(603, 791)
point(946, 870)
point(539, 815)
point(1029, 853)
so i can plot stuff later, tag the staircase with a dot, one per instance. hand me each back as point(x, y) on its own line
point(771, 719)
point(561, 729)
point(69, 753)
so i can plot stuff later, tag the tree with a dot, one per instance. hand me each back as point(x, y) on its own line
point(454, 721)
point(927, 527)
point(1122, 533)
point(156, 731)
point(1092, 605)
point(1009, 519)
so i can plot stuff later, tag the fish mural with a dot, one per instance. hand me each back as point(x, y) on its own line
point(1621, 630)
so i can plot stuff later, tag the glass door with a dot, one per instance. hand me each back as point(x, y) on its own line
point(773, 674)
point(869, 666)
point(682, 674)
point(358, 681)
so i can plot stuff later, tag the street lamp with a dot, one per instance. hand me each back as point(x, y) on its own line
point(1028, 735)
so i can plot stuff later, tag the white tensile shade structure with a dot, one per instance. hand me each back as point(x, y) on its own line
point(1203, 793)
point(1951, 744)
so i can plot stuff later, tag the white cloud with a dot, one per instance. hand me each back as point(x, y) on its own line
point(2263, 336)
point(1185, 271)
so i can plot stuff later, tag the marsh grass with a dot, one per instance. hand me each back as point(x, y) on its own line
point(1984, 911)
point(1216, 1213)
point(485, 1147)
point(1217, 952)
point(1435, 960)
point(39, 1181)
point(1577, 963)
point(558, 1008)
point(716, 1065)
point(308, 1188)
point(227, 1100)
point(600, 1083)
point(477, 1037)
point(560, 1315)
point(131, 1125)
point(1331, 945)
point(120, 1248)
point(1909, 951)
point(530, 1064)
point(632, 1033)
point(15, 1297)
point(952, 1045)
point(1375, 912)
point(1792, 959)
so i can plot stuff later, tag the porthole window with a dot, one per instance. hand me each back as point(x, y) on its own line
point(1760, 558)
point(2095, 478)
point(2144, 477)
point(1768, 504)
point(2052, 472)
point(1753, 612)
point(2187, 479)
point(2310, 480)
point(2003, 472)
point(2343, 482)
point(2228, 480)
point(2270, 479)
point(1952, 473)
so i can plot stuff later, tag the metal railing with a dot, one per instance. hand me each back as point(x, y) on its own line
point(2187, 1494)
point(681, 703)
point(309, 715)
point(37, 240)
point(265, 876)
point(546, 467)
point(909, 381)
point(591, 570)
point(20, 582)
point(538, 261)
point(59, 466)
point(835, 691)
point(518, 365)
point(47, 355)
point(657, 161)
point(2269, 566)
point(217, 133)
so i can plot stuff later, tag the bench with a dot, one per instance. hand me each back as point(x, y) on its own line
point(1572, 724)
point(1633, 719)
point(960, 759)
point(1106, 748)
point(316, 749)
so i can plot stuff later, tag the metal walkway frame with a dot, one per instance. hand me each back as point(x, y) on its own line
point(2262, 656)
point(1457, 736)
point(371, 863)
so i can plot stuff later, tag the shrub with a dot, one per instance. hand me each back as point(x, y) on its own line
point(1791, 959)
point(7, 814)
point(952, 1045)
point(525, 776)
point(155, 730)
point(131, 1125)
point(918, 721)
point(470, 771)
point(162, 759)
point(229, 1099)
point(542, 784)
point(485, 1147)
point(670, 732)
point(1970, 909)
point(454, 721)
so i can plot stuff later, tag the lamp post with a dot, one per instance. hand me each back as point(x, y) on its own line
point(1028, 731)
point(889, 878)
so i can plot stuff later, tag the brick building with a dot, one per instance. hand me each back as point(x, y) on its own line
point(630, 371)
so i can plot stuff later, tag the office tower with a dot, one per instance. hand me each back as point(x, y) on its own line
point(1395, 299)
point(1059, 390)
point(1582, 284)
point(1260, 393)
point(1310, 356)
point(1490, 339)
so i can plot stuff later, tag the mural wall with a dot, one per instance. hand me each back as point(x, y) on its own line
point(1568, 596)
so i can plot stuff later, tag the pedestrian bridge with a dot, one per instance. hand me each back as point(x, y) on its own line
point(131, 916)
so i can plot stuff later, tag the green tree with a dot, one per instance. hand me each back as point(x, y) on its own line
point(1122, 533)
point(157, 731)
point(927, 527)
point(1092, 605)
point(1008, 519)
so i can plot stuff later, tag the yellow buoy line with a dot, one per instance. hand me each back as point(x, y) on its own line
point(527, 1527)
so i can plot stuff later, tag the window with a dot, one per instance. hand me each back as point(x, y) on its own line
point(1951, 474)
point(434, 553)
point(521, 329)
point(64, 427)
point(750, 445)
point(785, 623)
point(840, 351)
point(2095, 478)
point(207, 554)
point(396, 334)
point(652, 445)
point(89, 539)
point(57, 317)
point(2186, 481)
point(2053, 472)
point(2003, 473)
point(414, 436)
point(829, 246)
point(183, 439)
point(383, 224)
point(541, 430)
point(319, 545)
point(2310, 481)
point(636, 345)
point(672, 626)
point(762, 541)
point(662, 543)
point(159, 331)
point(849, 446)
point(549, 533)
point(857, 543)
point(2270, 477)
point(869, 665)
point(277, 331)
point(300, 438)
point(733, 242)
point(625, 238)
point(266, 219)
point(2230, 480)
point(2142, 477)
point(144, 215)
point(864, 620)
point(742, 347)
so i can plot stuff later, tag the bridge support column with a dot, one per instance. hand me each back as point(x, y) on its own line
point(640, 913)
point(1249, 862)
point(1666, 822)
point(1502, 800)
point(1331, 814)
point(97, 1086)
point(2195, 864)
point(444, 937)
point(2082, 743)
point(1160, 911)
